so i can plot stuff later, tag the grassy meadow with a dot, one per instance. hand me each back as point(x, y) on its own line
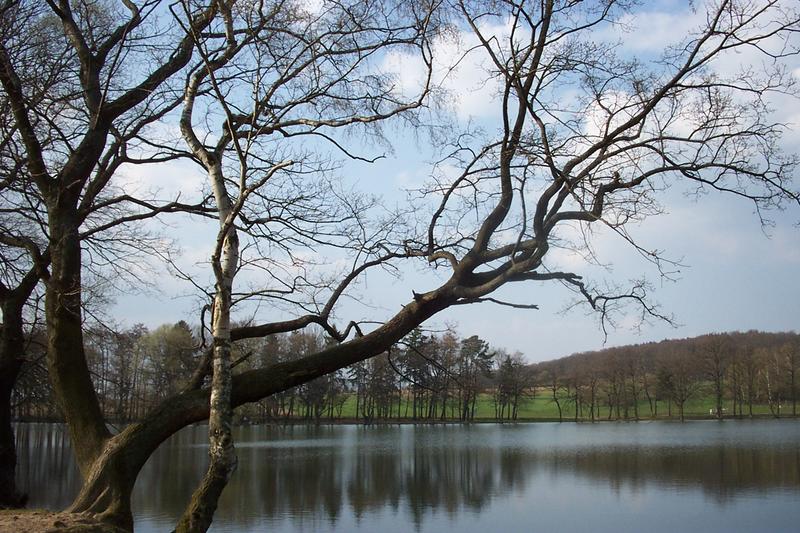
point(542, 407)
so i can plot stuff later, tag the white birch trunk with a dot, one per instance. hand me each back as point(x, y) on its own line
point(199, 513)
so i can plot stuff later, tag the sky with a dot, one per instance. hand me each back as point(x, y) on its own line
point(735, 274)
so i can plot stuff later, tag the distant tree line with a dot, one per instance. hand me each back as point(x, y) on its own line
point(426, 377)
point(736, 369)
point(430, 377)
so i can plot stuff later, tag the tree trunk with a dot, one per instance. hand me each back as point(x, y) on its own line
point(472, 407)
point(222, 455)
point(12, 344)
point(577, 404)
point(10, 363)
point(558, 405)
point(107, 487)
point(199, 513)
point(66, 359)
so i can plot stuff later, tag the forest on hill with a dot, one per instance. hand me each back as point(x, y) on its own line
point(435, 377)
point(740, 370)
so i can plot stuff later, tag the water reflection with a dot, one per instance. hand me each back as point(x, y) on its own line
point(445, 477)
point(722, 472)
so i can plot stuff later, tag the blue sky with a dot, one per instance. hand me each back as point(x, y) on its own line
point(737, 275)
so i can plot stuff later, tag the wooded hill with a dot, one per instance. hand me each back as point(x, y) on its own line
point(737, 369)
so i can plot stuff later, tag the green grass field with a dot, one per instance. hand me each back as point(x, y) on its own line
point(543, 408)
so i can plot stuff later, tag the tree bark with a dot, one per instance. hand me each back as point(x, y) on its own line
point(11, 348)
point(199, 513)
point(66, 359)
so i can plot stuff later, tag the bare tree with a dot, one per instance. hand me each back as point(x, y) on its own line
point(283, 49)
point(713, 358)
point(587, 138)
point(791, 359)
point(751, 373)
point(511, 379)
point(39, 71)
point(553, 383)
point(680, 380)
point(73, 130)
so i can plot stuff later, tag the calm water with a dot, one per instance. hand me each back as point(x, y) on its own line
point(660, 476)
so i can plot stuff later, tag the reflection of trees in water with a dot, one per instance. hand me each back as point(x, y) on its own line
point(315, 478)
point(373, 483)
point(447, 479)
point(45, 468)
point(721, 472)
point(287, 482)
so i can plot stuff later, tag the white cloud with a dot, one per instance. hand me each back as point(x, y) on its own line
point(164, 181)
point(312, 7)
point(411, 179)
point(566, 260)
point(464, 72)
point(653, 30)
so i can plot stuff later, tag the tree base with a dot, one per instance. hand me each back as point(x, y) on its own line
point(36, 521)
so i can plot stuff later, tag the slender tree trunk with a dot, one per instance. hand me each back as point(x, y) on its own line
point(199, 513)
point(558, 405)
point(577, 404)
point(474, 403)
point(222, 455)
point(649, 398)
point(443, 414)
point(399, 401)
point(635, 397)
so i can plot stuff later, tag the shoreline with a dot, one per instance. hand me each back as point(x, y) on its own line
point(42, 520)
point(436, 422)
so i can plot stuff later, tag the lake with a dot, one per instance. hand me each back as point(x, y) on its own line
point(735, 475)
